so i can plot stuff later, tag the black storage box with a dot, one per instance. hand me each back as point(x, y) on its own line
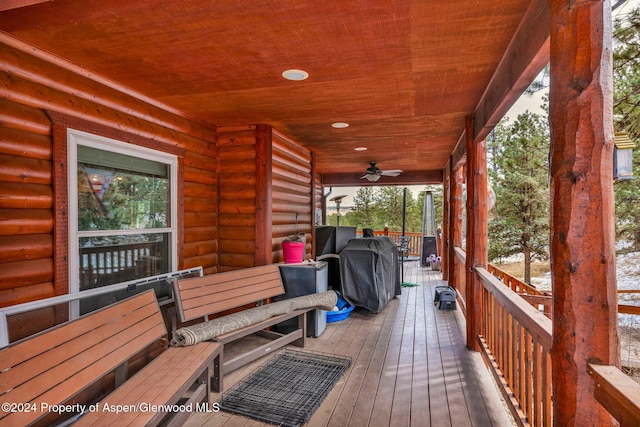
point(304, 279)
point(445, 298)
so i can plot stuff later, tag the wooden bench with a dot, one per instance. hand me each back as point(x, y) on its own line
point(52, 367)
point(202, 296)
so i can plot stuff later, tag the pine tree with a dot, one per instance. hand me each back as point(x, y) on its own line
point(389, 206)
point(363, 212)
point(519, 173)
point(626, 73)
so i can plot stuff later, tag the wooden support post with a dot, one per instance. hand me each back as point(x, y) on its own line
point(314, 191)
point(476, 232)
point(446, 217)
point(264, 235)
point(455, 223)
point(582, 210)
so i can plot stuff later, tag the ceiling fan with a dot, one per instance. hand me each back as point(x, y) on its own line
point(374, 172)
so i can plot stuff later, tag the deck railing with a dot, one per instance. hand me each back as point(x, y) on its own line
point(516, 339)
point(98, 263)
point(460, 278)
point(414, 239)
point(539, 299)
point(516, 342)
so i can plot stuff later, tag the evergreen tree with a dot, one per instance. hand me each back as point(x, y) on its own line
point(389, 205)
point(519, 173)
point(626, 73)
point(363, 212)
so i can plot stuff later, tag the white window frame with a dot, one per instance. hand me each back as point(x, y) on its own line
point(76, 138)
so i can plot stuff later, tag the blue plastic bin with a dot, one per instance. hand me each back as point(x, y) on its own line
point(345, 309)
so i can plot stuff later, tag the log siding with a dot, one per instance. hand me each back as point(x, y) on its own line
point(42, 97)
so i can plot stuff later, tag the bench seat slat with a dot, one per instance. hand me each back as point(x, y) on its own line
point(205, 307)
point(230, 276)
point(136, 323)
point(201, 296)
point(198, 286)
point(83, 370)
point(114, 332)
point(162, 382)
point(235, 297)
point(36, 344)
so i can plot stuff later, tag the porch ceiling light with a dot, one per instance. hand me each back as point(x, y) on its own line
point(295, 74)
point(623, 157)
point(339, 125)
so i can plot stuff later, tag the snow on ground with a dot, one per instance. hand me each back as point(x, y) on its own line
point(628, 278)
point(627, 272)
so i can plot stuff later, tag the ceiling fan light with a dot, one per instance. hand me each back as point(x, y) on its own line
point(373, 178)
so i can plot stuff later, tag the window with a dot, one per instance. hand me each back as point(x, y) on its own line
point(122, 202)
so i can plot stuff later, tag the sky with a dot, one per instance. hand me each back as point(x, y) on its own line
point(530, 102)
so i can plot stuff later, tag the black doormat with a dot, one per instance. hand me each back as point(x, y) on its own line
point(287, 389)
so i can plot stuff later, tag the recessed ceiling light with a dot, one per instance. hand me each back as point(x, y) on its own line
point(340, 125)
point(360, 149)
point(295, 75)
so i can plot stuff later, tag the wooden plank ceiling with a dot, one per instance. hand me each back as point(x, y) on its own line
point(403, 73)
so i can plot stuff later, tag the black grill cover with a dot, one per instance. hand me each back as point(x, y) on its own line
point(370, 272)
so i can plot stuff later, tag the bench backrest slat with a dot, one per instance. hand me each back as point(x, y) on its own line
point(200, 296)
point(56, 364)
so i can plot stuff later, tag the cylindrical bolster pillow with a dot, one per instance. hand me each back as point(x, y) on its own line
point(191, 335)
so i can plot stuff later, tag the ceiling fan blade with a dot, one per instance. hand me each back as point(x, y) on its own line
point(392, 172)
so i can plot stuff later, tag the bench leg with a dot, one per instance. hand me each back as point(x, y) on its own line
point(216, 373)
point(121, 373)
point(302, 325)
point(200, 397)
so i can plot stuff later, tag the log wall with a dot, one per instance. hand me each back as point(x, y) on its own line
point(237, 197)
point(240, 189)
point(265, 180)
point(38, 90)
point(26, 204)
point(292, 198)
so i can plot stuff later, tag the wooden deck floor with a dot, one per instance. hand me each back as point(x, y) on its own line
point(410, 367)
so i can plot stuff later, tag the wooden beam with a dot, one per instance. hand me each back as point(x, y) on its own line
point(459, 153)
point(525, 57)
point(406, 178)
point(585, 322)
